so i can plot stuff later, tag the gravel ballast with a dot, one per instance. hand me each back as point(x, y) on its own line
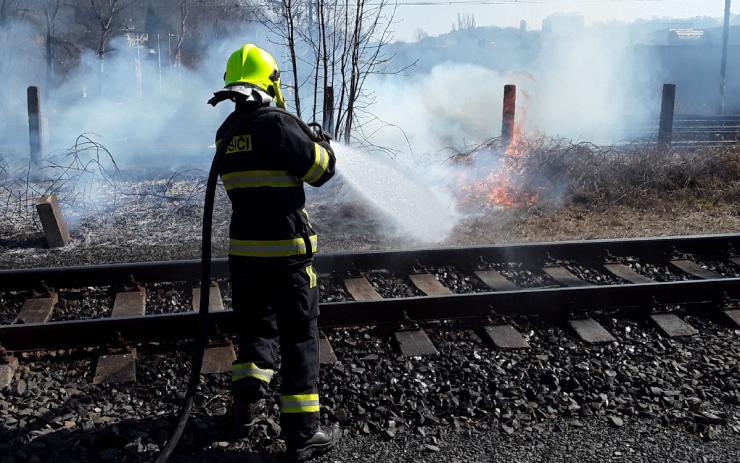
point(556, 401)
point(644, 398)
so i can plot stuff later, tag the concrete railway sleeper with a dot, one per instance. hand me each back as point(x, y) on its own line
point(567, 282)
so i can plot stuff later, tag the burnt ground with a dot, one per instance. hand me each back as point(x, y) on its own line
point(659, 217)
point(144, 223)
point(644, 398)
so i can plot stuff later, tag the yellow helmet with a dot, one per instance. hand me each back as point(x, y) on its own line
point(254, 66)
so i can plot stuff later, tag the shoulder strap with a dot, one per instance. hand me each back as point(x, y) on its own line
point(306, 129)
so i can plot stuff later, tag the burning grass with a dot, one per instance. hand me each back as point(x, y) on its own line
point(554, 172)
point(540, 189)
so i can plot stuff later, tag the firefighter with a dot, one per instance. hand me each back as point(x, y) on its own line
point(270, 154)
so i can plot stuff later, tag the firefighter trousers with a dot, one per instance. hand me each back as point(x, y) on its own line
point(278, 307)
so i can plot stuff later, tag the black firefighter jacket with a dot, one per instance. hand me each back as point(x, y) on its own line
point(268, 159)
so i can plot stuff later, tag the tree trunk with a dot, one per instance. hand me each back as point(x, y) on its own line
point(354, 73)
point(184, 11)
point(288, 12)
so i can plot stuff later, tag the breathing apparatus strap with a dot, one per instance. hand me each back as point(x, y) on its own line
point(234, 95)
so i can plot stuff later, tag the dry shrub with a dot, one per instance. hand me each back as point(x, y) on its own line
point(75, 176)
point(87, 181)
point(562, 171)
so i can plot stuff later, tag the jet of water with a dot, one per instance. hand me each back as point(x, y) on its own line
point(409, 199)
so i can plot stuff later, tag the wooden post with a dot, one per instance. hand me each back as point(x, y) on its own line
point(507, 121)
point(34, 124)
point(55, 228)
point(328, 121)
point(667, 106)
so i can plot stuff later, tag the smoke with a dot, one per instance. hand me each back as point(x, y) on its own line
point(147, 113)
point(592, 88)
point(429, 117)
point(589, 86)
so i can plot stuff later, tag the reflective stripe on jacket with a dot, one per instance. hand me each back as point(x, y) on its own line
point(263, 171)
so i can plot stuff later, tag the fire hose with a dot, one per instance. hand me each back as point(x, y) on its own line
point(314, 132)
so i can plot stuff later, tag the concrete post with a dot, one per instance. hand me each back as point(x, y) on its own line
point(34, 125)
point(667, 106)
point(507, 121)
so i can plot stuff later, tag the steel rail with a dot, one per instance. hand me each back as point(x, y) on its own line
point(551, 301)
point(536, 253)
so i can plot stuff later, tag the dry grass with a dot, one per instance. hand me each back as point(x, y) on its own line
point(584, 192)
point(86, 180)
point(76, 176)
point(576, 222)
point(562, 172)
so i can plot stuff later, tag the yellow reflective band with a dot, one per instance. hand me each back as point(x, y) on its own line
point(273, 248)
point(301, 403)
point(320, 162)
point(312, 278)
point(259, 178)
point(250, 370)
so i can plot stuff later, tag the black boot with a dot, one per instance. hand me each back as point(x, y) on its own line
point(248, 403)
point(245, 415)
point(323, 440)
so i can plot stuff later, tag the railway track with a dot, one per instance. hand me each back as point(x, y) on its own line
point(568, 282)
point(695, 130)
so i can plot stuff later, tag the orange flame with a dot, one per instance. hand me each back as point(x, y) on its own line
point(506, 185)
point(500, 188)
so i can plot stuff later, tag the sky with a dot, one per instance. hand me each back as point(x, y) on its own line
point(437, 19)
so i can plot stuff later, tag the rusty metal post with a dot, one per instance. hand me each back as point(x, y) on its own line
point(328, 121)
point(667, 106)
point(507, 121)
point(34, 124)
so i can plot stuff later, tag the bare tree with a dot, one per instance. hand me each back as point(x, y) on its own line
point(420, 34)
point(50, 9)
point(346, 46)
point(284, 21)
point(362, 57)
point(289, 17)
point(107, 11)
point(10, 9)
point(184, 10)
point(317, 47)
point(464, 22)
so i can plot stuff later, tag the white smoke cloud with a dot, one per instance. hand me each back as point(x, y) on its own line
point(147, 115)
point(153, 118)
point(590, 88)
point(585, 88)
